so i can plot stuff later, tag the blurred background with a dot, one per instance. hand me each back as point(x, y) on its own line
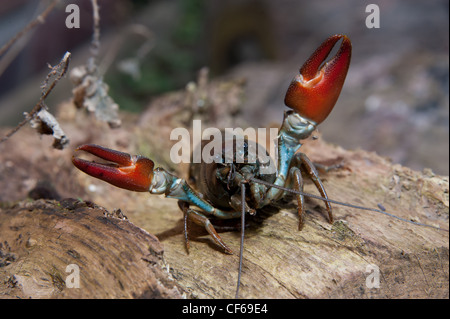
point(395, 100)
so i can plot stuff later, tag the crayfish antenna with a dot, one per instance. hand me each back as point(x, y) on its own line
point(241, 251)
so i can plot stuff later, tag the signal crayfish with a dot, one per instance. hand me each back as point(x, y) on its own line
point(229, 189)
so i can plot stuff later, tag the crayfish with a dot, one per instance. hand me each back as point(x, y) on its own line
point(230, 189)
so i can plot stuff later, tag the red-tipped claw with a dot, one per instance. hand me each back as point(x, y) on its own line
point(134, 173)
point(316, 89)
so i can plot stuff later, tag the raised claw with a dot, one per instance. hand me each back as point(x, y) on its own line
point(314, 92)
point(126, 171)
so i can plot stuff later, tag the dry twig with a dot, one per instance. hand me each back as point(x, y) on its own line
point(90, 91)
point(40, 118)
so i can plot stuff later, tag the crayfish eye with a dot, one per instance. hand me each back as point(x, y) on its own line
point(223, 172)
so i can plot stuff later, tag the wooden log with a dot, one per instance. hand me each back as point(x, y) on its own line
point(344, 260)
point(69, 249)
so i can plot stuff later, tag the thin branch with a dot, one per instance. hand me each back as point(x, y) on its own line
point(57, 72)
point(40, 19)
point(96, 33)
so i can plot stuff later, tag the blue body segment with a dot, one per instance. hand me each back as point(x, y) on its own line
point(179, 189)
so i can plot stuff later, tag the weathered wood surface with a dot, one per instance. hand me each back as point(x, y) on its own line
point(69, 249)
point(321, 261)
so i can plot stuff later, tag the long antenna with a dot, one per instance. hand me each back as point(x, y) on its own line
point(259, 181)
point(256, 180)
point(241, 252)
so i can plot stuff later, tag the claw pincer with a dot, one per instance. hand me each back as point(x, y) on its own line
point(134, 173)
point(314, 92)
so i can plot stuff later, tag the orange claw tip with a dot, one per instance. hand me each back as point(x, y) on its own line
point(314, 92)
point(134, 173)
